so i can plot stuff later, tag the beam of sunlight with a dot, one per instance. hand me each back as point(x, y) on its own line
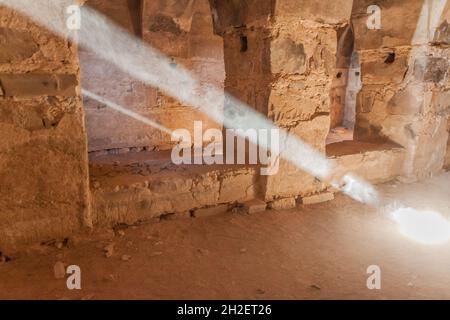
point(143, 62)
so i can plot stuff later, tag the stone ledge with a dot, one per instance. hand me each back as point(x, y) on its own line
point(127, 197)
point(35, 84)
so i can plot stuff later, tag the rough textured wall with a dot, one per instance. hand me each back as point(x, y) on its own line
point(303, 52)
point(183, 31)
point(405, 90)
point(284, 70)
point(43, 153)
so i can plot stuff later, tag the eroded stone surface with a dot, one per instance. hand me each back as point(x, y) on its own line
point(122, 195)
point(255, 206)
point(43, 154)
point(318, 198)
point(33, 84)
point(283, 204)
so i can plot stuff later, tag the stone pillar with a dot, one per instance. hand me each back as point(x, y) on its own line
point(280, 59)
point(303, 62)
point(44, 191)
point(404, 69)
point(245, 28)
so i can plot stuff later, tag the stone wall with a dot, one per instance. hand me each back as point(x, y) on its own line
point(43, 150)
point(404, 68)
point(284, 71)
point(135, 198)
point(280, 57)
point(183, 31)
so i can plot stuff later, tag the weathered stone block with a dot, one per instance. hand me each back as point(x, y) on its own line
point(398, 25)
point(374, 163)
point(34, 84)
point(283, 204)
point(288, 56)
point(407, 102)
point(237, 186)
point(255, 206)
point(43, 182)
point(318, 198)
point(379, 71)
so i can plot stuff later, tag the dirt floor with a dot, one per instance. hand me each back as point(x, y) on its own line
point(315, 252)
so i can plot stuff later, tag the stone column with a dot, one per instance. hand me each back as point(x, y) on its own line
point(303, 62)
point(280, 59)
point(44, 188)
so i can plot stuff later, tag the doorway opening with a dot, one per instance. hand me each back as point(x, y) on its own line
point(345, 87)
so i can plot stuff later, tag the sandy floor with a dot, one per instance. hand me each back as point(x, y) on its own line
point(316, 252)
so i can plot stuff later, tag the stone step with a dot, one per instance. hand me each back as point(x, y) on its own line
point(318, 198)
point(255, 206)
